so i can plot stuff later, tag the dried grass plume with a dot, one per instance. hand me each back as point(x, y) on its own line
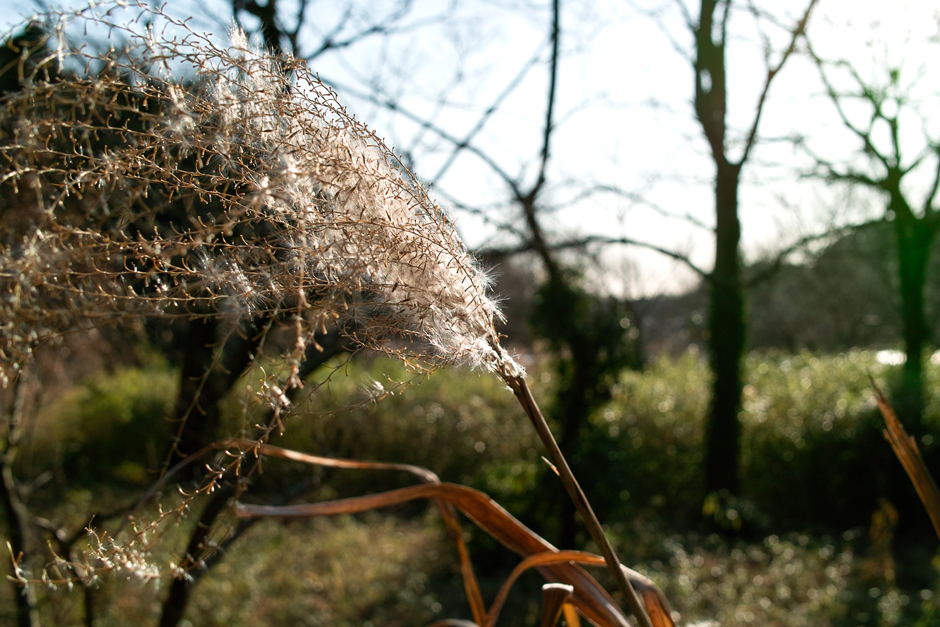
point(174, 176)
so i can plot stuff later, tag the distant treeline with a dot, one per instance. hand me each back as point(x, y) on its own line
point(845, 295)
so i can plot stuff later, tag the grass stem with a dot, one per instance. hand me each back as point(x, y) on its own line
point(521, 389)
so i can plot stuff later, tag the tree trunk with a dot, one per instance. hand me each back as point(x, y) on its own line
point(15, 511)
point(27, 612)
point(205, 379)
point(914, 240)
point(591, 345)
point(196, 402)
point(181, 588)
point(726, 326)
point(726, 323)
point(575, 406)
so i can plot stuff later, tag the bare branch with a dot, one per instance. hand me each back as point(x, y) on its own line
point(329, 39)
point(589, 240)
point(655, 15)
point(391, 105)
point(487, 114)
point(780, 258)
point(928, 207)
point(528, 200)
point(638, 199)
point(385, 25)
point(550, 107)
point(836, 99)
point(797, 33)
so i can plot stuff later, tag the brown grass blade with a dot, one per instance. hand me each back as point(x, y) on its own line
point(905, 447)
point(654, 601)
point(259, 448)
point(571, 615)
point(554, 596)
point(448, 512)
point(589, 597)
point(533, 561)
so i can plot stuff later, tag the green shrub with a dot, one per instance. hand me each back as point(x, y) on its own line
point(814, 453)
point(813, 461)
point(112, 428)
point(464, 426)
point(648, 443)
point(813, 457)
point(793, 581)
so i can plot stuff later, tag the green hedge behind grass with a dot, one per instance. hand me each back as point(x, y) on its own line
point(813, 459)
point(813, 455)
point(111, 429)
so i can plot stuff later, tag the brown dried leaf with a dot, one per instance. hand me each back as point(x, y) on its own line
point(554, 596)
point(589, 597)
point(451, 521)
point(905, 447)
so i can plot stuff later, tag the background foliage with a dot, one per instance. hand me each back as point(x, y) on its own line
point(813, 549)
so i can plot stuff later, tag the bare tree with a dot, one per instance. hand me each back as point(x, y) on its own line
point(590, 335)
point(878, 113)
point(711, 32)
point(730, 151)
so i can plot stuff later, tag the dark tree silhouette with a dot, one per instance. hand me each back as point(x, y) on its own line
point(726, 319)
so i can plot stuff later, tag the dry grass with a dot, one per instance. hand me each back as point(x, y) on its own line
point(172, 176)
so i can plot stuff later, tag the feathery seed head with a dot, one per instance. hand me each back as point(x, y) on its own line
point(236, 183)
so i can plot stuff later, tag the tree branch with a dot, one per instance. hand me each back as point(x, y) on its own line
point(528, 201)
point(386, 25)
point(638, 199)
point(552, 89)
point(465, 142)
point(15, 510)
point(391, 105)
point(589, 240)
point(931, 196)
point(836, 99)
point(777, 263)
point(797, 32)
